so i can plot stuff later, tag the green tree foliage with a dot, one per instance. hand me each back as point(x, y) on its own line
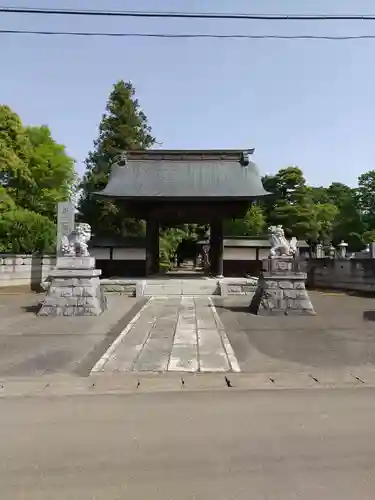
point(23, 231)
point(324, 211)
point(182, 239)
point(369, 236)
point(349, 222)
point(170, 238)
point(6, 201)
point(15, 150)
point(366, 198)
point(335, 213)
point(253, 224)
point(325, 215)
point(123, 127)
point(52, 170)
point(35, 173)
point(292, 203)
point(339, 214)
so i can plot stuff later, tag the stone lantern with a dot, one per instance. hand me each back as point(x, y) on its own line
point(319, 251)
point(342, 249)
point(332, 252)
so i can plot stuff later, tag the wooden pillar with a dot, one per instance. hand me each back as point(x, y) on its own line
point(157, 248)
point(216, 247)
point(152, 246)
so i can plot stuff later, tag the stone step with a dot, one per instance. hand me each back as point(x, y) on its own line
point(177, 287)
point(205, 288)
point(126, 287)
point(198, 287)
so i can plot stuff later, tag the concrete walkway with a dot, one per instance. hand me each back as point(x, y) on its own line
point(32, 345)
point(183, 334)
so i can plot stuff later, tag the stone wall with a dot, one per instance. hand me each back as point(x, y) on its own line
point(25, 270)
point(351, 275)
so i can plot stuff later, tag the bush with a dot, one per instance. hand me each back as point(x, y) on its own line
point(22, 231)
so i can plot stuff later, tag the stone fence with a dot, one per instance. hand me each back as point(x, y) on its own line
point(25, 270)
point(351, 275)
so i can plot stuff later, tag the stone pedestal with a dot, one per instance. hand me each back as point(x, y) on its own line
point(281, 289)
point(75, 263)
point(74, 289)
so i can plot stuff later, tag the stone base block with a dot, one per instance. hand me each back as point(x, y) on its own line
point(75, 293)
point(237, 286)
point(281, 292)
point(75, 262)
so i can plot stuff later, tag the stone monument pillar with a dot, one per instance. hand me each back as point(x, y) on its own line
point(74, 285)
point(281, 287)
point(65, 223)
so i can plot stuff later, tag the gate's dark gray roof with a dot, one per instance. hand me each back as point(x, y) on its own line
point(156, 174)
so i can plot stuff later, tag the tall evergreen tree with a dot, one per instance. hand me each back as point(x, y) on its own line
point(123, 127)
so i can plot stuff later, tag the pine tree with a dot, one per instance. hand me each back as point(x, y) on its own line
point(123, 127)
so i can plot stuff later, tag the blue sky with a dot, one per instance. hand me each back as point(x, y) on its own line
point(309, 103)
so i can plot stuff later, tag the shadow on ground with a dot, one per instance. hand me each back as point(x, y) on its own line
point(369, 315)
point(342, 334)
point(32, 345)
point(33, 308)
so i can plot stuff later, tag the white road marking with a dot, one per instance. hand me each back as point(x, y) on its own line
point(112, 348)
point(227, 345)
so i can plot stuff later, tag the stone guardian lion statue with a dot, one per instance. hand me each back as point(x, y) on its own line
point(75, 244)
point(280, 246)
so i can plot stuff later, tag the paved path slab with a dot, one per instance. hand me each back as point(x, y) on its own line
point(176, 334)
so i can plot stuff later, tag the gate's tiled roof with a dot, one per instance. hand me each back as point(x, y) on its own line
point(172, 174)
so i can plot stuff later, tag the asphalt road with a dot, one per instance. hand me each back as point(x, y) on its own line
point(241, 445)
